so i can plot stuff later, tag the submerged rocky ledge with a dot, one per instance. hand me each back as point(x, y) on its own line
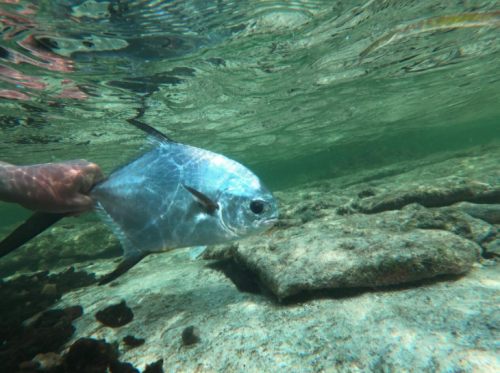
point(388, 269)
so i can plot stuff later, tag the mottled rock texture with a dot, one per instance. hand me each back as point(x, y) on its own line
point(395, 228)
point(361, 250)
point(348, 282)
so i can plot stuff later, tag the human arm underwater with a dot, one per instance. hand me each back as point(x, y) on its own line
point(50, 187)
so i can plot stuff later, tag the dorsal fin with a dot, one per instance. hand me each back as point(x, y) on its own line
point(153, 133)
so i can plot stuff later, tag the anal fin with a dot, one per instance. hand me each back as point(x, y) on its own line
point(131, 253)
point(127, 263)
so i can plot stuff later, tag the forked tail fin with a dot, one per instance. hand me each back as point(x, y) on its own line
point(131, 253)
point(36, 224)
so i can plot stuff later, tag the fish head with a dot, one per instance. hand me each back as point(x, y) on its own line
point(247, 207)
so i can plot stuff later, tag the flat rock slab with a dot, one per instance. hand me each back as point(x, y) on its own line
point(439, 326)
point(359, 250)
point(431, 193)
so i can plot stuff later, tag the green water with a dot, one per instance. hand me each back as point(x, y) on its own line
point(278, 86)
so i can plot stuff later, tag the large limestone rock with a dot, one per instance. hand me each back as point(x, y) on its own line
point(361, 250)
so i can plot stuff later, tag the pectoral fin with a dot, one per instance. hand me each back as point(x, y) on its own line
point(208, 205)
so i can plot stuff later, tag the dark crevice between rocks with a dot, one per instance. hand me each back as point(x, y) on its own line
point(488, 255)
point(247, 281)
point(156, 367)
point(132, 341)
point(377, 176)
point(365, 193)
point(244, 279)
point(430, 200)
point(345, 293)
point(89, 355)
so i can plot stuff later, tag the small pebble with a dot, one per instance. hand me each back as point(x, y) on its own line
point(191, 335)
point(47, 361)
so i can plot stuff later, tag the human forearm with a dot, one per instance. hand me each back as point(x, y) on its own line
point(6, 182)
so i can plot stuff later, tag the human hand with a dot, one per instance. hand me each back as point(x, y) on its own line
point(50, 187)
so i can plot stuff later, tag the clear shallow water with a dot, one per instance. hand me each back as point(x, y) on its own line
point(278, 86)
point(260, 81)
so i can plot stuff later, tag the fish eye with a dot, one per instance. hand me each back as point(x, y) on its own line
point(257, 206)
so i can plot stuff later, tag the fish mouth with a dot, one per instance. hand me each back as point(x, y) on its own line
point(269, 221)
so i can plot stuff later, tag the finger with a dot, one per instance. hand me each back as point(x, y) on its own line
point(98, 176)
point(81, 203)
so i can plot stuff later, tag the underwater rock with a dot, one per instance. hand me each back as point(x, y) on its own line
point(46, 335)
point(116, 315)
point(133, 342)
point(191, 335)
point(26, 328)
point(488, 213)
point(90, 355)
point(156, 367)
point(433, 193)
point(63, 245)
point(449, 219)
point(47, 361)
point(363, 250)
point(219, 252)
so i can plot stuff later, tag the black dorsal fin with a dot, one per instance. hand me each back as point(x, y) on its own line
point(153, 133)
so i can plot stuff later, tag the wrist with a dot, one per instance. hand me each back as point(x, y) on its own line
point(6, 180)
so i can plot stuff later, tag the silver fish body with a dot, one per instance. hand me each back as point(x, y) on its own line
point(173, 196)
point(149, 205)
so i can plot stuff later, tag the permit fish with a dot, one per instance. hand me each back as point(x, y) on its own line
point(173, 196)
